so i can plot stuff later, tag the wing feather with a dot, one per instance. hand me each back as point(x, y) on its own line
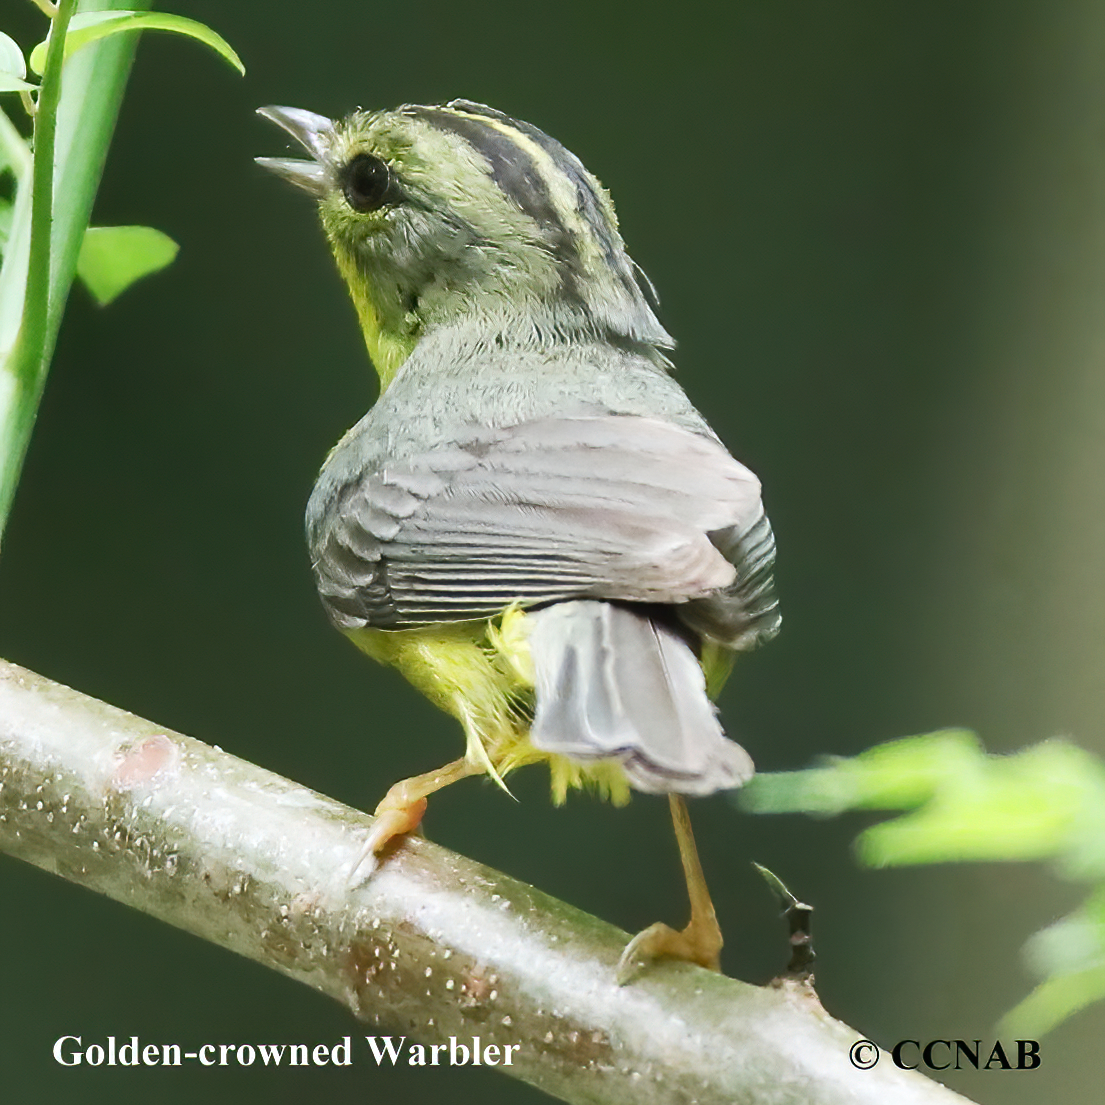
point(610, 507)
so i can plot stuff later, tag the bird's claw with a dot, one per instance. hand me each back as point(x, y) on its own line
point(699, 944)
point(395, 816)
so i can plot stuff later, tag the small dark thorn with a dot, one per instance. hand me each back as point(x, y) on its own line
point(799, 917)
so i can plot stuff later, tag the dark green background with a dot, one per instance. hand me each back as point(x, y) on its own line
point(878, 231)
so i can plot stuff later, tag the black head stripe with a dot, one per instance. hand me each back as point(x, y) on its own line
point(512, 169)
point(590, 205)
point(549, 184)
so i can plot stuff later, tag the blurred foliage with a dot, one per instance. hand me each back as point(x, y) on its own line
point(1046, 802)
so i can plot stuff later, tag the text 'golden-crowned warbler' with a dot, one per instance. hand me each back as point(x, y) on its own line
point(532, 523)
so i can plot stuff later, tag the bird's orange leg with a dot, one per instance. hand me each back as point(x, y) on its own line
point(403, 806)
point(700, 942)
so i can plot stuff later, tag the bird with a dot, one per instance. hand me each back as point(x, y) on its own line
point(532, 523)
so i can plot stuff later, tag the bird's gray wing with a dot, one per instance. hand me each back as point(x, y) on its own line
point(609, 507)
point(746, 612)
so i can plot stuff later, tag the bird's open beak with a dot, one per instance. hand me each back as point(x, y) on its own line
point(314, 133)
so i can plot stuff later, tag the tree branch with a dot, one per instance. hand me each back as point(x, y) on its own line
point(433, 946)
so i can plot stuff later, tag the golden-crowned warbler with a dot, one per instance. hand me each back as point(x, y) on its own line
point(533, 523)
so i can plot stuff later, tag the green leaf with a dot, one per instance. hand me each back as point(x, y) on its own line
point(1069, 957)
point(897, 775)
point(778, 887)
point(12, 66)
point(8, 83)
point(114, 257)
point(1046, 801)
point(1043, 802)
point(1053, 1001)
point(11, 57)
point(15, 154)
point(91, 26)
point(1069, 944)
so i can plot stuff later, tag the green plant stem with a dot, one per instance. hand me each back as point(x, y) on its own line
point(82, 115)
point(37, 303)
point(433, 946)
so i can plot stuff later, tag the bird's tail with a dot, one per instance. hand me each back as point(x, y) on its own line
point(614, 683)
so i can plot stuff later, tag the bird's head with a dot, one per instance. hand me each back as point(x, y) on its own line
point(458, 215)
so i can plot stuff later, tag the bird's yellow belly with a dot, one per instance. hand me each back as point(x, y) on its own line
point(481, 673)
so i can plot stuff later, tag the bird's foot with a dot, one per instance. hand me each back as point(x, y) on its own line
point(700, 942)
point(401, 812)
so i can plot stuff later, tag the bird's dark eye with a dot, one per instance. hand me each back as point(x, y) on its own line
point(367, 183)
